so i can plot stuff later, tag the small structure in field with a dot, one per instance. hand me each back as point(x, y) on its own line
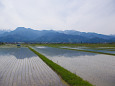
point(18, 45)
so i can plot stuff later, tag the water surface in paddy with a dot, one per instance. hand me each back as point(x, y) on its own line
point(98, 69)
point(104, 50)
point(21, 67)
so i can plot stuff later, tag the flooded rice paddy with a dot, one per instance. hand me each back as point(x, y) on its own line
point(98, 69)
point(21, 67)
point(110, 50)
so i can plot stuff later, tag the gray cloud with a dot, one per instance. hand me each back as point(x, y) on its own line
point(82, 15)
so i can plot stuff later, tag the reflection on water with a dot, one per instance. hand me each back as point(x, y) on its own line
point(98, 69)
point(99, 49)
point(21, 67)
point(59, 52)
point(105, 51)
point(41, 47)
point(17, 52)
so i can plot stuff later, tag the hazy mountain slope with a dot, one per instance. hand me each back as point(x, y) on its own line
point(60, 37)
point(3, 31)
point(88, 35)
point(22, 34)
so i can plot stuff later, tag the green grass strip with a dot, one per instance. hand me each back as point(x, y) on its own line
point(75, 45)
point(90, 51)
point(71, 78)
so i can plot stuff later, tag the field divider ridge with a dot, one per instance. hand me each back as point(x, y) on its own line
point(89, 51)
point(71, 78)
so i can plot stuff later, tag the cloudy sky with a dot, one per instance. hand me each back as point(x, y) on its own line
point(81, 15)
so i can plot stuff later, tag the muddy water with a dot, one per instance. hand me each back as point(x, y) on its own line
point(21, 67)
point(98, 69)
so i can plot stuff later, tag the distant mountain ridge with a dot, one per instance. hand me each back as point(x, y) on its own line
point(3, 31)
point(87, 34)
point(22, 34)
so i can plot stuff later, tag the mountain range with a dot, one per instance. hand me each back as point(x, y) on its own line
point(22, 34)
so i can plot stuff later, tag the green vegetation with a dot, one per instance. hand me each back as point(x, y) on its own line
point(71, 78)
point(66, 44)
point(90, 51)
point(1, 43)
point(112, 50)
point(75, 45)
point(104, 48)
point(90, 46)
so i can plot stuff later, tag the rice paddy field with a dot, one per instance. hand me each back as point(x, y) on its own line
point(19, 66)
point(110, 50)
point(98, 69)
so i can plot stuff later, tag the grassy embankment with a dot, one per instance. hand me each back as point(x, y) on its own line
point(90, 51)
point(76, 45)
point(92, 46)
point(81, 45)
point(71, 78)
